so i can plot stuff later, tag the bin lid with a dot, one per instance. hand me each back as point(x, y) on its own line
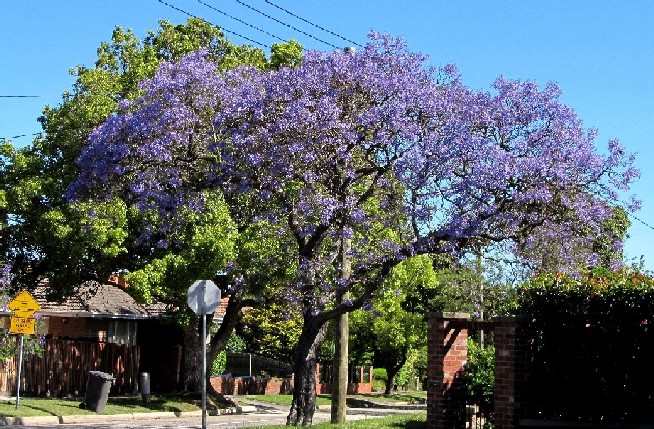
point(101, 374)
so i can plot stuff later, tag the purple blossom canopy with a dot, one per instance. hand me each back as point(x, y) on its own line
point(315, 145)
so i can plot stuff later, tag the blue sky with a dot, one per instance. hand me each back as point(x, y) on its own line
point(600, 52)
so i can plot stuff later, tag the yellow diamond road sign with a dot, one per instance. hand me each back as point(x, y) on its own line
point(24, 305)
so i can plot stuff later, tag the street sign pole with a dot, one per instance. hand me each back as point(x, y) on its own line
point(20, 366)
point(203, 312)
point(23, 306)
point(203, 298)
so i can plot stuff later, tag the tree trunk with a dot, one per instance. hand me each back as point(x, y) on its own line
point(392, 368)
point(389, 381)
point(192, 358)
point(193, 343)
point(304, 373)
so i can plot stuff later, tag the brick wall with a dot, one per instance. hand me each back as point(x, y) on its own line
point(509, 371)
point(447, 351)
point(229, 385)
point(82, 328)
point(447, 354)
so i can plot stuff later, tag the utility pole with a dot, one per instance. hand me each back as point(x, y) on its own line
point(341, 333)
point(341, 343)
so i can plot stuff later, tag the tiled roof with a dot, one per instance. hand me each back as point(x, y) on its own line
point(93, 299)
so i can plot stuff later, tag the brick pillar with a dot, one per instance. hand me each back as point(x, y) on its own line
point(447, 351)
point(509, 371)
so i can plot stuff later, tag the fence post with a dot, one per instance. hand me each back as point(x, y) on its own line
point(447, 351)
point(509, 371)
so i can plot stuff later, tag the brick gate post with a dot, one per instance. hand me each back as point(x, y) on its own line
point(447, 351)
point(509, 371)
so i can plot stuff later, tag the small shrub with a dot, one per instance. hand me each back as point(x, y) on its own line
point(234, 344)
point(481, 374)
point(379, 379)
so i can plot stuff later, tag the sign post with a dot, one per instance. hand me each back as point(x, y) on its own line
point(23, 306)
point(203, 299)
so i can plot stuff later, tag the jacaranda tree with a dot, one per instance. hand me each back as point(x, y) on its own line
point(311, 149)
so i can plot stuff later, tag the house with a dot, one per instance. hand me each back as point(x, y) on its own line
point(100, 327)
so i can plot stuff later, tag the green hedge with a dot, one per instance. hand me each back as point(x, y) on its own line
point(590, 346)
point(480, 375)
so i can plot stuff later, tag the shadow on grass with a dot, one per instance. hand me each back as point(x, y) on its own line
point(153, 404)
point(410, 424)
point(32, 407)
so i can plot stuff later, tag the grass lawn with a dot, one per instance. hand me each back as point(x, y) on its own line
point(409, 396)
point(30, 407)
point(403, 421)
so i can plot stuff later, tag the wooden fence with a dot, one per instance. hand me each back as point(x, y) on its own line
point(63, 369)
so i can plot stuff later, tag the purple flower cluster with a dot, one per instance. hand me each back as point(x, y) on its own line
point(320, 143)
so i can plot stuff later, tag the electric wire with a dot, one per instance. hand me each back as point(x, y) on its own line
point(285, 24)
point(623, 205)
point(20, 96)
point(311, 23)
point(241, 21)
point(19, 136)
point(223, 28)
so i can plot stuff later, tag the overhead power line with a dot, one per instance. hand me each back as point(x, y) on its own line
point(640, 220)
point(311, 23)
point(223, 28)
point(19, 136)
point(20, 96)
point(285, 24)
point(241, 21)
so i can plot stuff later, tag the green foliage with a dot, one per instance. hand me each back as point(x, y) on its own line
point(219, 364)
point(591, 335)
point(285, 54)
point(207, 244)
point(32, 344)
point(235, 344)
point(389, 331)
point(379, 376)
point(480, 371)
point(272, 330)
point(415, 366)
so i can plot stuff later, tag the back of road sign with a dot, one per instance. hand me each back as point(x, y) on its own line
point(203, 293)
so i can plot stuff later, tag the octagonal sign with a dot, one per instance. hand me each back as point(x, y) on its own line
point(203, 295)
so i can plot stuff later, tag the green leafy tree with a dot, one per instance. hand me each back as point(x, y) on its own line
point(272, 330)
point(45, 236)
point(394, 332)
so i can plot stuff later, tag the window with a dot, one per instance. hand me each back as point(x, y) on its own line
point(122, 332)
